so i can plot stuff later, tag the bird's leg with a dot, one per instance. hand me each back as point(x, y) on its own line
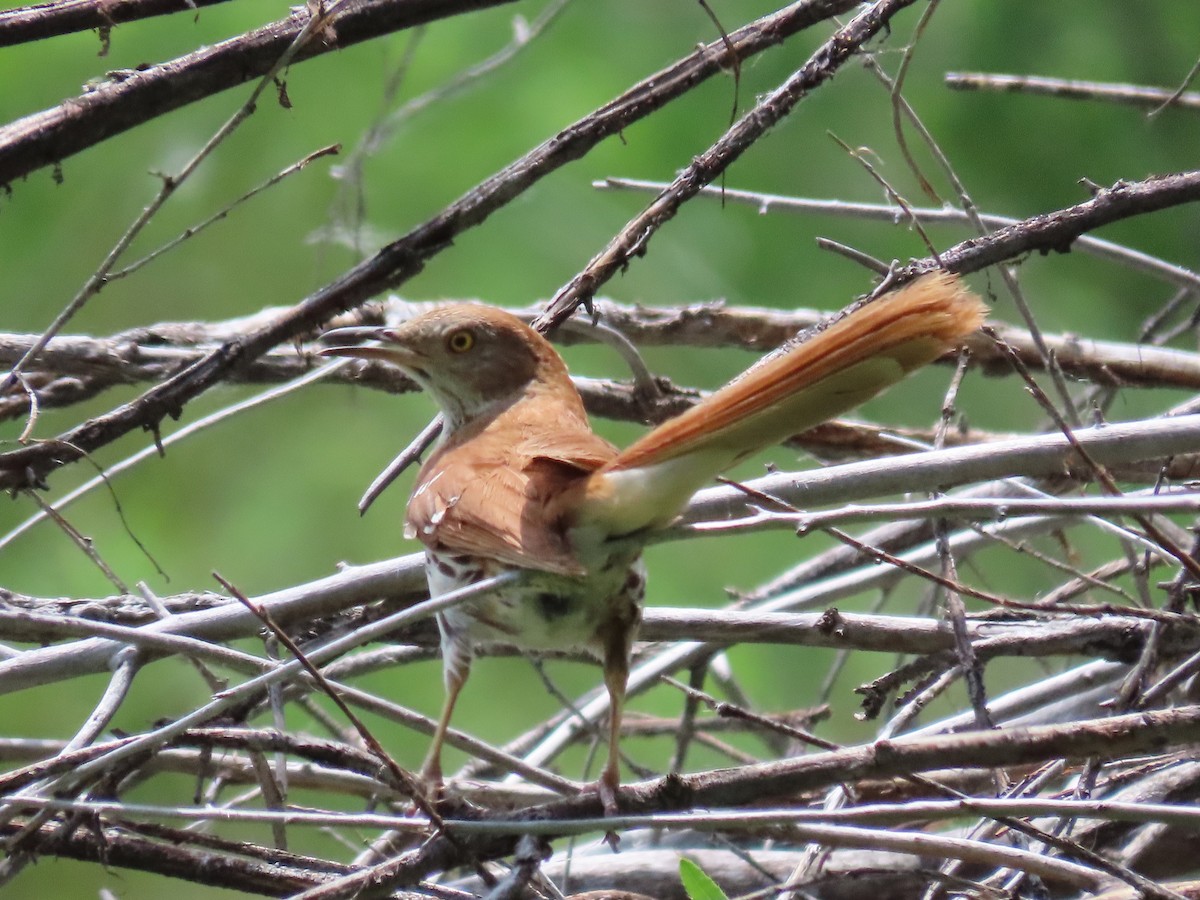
point(456, 666)
point(431, 769)
point(618, 640)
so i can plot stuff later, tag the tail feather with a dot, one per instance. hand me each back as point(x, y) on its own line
point(799, 386)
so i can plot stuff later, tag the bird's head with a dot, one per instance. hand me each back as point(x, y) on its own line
point(470, 358)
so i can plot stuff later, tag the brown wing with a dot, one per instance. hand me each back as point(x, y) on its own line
point(489, 496)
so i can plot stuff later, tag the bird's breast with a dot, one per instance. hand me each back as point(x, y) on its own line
point(541, 610)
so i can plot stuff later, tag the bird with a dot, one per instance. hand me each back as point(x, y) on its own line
point(518, 479)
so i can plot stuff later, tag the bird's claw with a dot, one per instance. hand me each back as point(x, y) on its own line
point(607, 788)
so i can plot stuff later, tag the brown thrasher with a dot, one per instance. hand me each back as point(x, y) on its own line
point(519, 480)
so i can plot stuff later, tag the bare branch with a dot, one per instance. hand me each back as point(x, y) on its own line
point(45, 20)
point(632, 239)
point(48, 137)
point(404, 258)
point(1071, 89)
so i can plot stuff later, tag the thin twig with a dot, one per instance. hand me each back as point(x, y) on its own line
point(1071, 89)
point(406, 780)
point(631, 240)
point(885, 212)
point(97, 280)
point(405, 257)
point(223, 213)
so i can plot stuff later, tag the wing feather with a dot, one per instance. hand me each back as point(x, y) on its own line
point(494, 495)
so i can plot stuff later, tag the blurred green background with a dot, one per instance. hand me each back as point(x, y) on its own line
point(268, 498)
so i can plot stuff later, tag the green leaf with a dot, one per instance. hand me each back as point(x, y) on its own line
point(697, 884)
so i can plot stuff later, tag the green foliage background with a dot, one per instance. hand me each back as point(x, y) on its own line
point(268, 498)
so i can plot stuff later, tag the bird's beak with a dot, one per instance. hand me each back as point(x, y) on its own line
point(390, 349)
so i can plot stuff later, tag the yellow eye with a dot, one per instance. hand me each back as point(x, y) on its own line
point(461, 341)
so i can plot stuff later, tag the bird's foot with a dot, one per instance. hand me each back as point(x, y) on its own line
point(607, 788)
point(428, 788)
point(608, 797)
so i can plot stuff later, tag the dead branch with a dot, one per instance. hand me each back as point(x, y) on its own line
point(132, 98)
point(405, 257)
point(45, 20)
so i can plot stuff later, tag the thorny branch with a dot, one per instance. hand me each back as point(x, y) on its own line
point(74, 368)
point(132, 98)
point(404, 258)
point(631, 241)
point(43, 20)
point(1047, 232)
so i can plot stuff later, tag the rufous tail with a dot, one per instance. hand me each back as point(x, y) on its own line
point(799, 386)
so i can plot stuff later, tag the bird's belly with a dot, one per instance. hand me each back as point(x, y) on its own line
point(542, 610)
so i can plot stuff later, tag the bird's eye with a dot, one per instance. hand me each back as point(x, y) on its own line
point(460, 341)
